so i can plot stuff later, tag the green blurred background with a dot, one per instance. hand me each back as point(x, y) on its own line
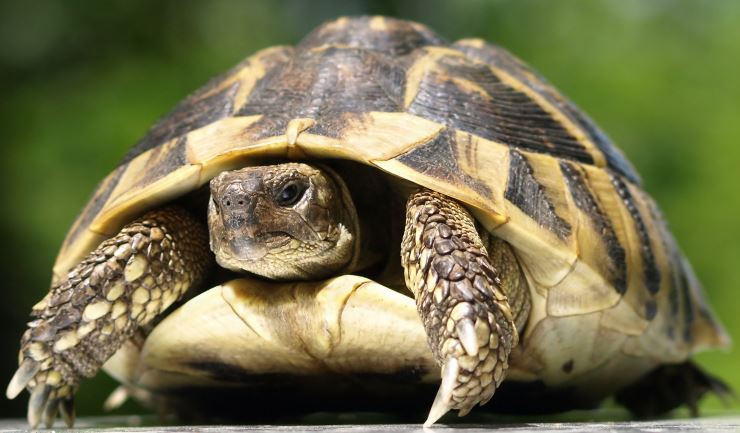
point(83, 80)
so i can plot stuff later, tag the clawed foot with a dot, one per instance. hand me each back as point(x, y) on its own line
point(670, 386)
point(123, 284)
point(49, 394)
point(467, 317)
point(475, 366)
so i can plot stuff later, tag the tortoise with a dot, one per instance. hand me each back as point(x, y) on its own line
point(250, 242)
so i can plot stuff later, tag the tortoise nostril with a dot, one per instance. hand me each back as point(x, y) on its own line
point(234, 198)
point(235, 202)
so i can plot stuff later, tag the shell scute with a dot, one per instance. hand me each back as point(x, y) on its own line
point(392, 36)
point(468, 95)
point(502, 59)
point(193, 113)
point(216, 100)
point(325, 85)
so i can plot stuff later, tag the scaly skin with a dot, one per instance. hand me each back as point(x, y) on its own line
point(467, 318)
point(122, 285)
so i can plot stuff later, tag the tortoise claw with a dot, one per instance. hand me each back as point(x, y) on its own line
point(443, 401)
point(468, 337)
point(46, 400)
point(50, 412)
point(67, 408)
point(117, 398)
point(22, 376)
point(37, 404)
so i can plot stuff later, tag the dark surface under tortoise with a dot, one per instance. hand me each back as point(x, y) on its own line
point(247, 248)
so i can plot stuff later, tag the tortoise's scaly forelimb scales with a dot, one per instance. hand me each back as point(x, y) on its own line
point(468, 321)
point(123, 284)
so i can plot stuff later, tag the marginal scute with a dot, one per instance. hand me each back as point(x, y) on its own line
point(581, 291)
point(524, 190)
point(596, 223)
point(216, 100)
point(438, 159)
point(626, 319)
point(651, 273)
point(80, 239)
point(557, 340)
point(373, 137)
point(194, 112)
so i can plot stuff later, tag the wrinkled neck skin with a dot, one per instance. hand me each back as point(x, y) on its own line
point(284, 222)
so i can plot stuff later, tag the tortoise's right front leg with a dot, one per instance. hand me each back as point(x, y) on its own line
point(123, 284)
point(467, 317)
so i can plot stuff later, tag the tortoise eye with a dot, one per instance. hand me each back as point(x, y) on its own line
point(289, 194)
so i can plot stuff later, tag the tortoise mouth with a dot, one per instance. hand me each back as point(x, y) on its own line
point(274, 239)
point(257, 247)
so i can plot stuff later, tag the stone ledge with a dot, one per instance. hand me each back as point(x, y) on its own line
point(144, 424)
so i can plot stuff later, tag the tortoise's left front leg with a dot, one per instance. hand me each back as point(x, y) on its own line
point(125, 283)
point(467, 317)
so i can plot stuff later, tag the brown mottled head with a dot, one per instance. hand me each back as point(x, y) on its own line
point(286, 221)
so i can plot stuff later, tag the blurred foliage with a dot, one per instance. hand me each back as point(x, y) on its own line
point(83, 80)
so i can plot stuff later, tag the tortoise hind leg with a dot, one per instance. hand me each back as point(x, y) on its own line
point(125, 283)
point(466, 316)
point(669, 387)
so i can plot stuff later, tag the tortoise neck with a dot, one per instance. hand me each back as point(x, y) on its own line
point(376, 211)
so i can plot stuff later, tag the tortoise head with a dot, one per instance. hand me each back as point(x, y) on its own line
point(285, 221)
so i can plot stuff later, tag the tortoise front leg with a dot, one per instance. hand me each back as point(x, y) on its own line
point(123, 284)
point(467, 318)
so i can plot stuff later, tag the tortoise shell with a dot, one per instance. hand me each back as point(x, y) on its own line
point(611, 291)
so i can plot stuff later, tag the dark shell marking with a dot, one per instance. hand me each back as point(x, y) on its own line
point(210, 103)
point(586, 202)
point(500, 58)
point(688, 305)
point(100, 197)
point(193, 113)
point(680, 300)
point(323, 86)
point(165, 159)
point(490, 109)
point(651, 271)
point(524, 190)
point(438, 159)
